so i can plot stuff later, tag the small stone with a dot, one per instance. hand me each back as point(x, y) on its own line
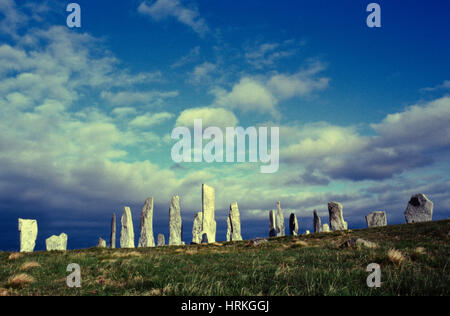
point(146, 238)
point(419, 209)
point(280, 221)
point(376, 219)
point(197, 228)
point(208, 209)
point(307, 232)
point(257, 241)
point(272, 223)
point(161, 240)
point(336, 216)
point(56, 242)
point(101, 243)
point(325, 228)
point(175, 222)
point(113, 231)
point(28, 233)
point(293, 225)
point(317, 223)
point(358, 242)
point(127, 232)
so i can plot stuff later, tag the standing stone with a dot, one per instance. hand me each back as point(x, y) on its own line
point(208, 205)
point(161, 240)
point(175, 223)
point(28, 232)
point(101, 243)
point(272, 223)
point(376, 219)
point(317, 223)
point(127, 232)
point(307, 232)
point(419, 209)
point(280, 221)
point(146, 239)
point(56, 242)
point(293, 225)
point(336, 216)
point(113, 231)
point(325, 228)
point(197, 228)
point(234, 223)
point(229, 229)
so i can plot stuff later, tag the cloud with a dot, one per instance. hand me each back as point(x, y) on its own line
point(149, 120)
point(12, 18)
point(124, 98)
point(210, 117)
point(267, 54)
point(443, 86)
point(162, 9)
point(202, 73)
point(192, 56)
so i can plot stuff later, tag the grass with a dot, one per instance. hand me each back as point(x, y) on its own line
point(414, 260)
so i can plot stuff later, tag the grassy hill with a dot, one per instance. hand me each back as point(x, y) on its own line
point(305, 265)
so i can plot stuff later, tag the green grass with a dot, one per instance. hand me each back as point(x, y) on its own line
point(282, 266)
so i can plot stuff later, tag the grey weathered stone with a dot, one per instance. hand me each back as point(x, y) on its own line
point(376, 219)
point(146, 238)
point(197, 228)
point(113, 231)
point(272, 224)
point(257, 241)
point(229, 229)
point(101, 243)
point(234, 223)
point(325, 228)
point(358, 242)
point(175, 222)
point(204, 238)
point(28, 232)
point(317, 223)
point(161, 240)
point(127, 231)
point(280, 221)
point(293, 225)
point(336, 216)
point(419, 209)
point(208, 209)
point(56, 242)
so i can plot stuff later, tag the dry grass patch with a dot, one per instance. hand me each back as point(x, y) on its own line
point(420, 251)
point(395, 256)
point(20, 280)
point(4, 292)
point(126, 254)
point(30, 265)
point(15, 255)
point(298, 244)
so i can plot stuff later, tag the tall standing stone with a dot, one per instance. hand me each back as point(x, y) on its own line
point(272, 224)
point(146, 239)
point(56, 242)
point(28, 232)
point(113, 231)
point(161, 240)
point(317, 223)
point(376, 219)
point(127, 231)
point(208, 209)
point(234, 223)
point(336, 216)
point(293, 225)
point(280, 221)
point(197, 228)
point(175, 223)
point(419, 209)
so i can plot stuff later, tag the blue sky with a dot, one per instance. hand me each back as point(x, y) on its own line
point(86, 114)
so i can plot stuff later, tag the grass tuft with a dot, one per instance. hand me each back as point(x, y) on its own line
point(30, 265)
point(396, 256)
point(20, 280)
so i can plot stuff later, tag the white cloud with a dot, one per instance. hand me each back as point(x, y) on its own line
point(443, 86)
point(202, 73)
point(149, 119)
point(161, 9)
point(124, 98)
point(210, 117)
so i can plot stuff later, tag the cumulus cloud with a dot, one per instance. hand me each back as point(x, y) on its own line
point(210, 117)
point(162, 9)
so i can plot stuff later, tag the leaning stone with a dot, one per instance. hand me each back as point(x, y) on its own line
point(204, 238)
point(197, 228)
point(113, 231)
point(28, 232)
point(280, 221)
point(208, 209)
point(101, 243)
point(419, 209)
point(336, 216)
point(146, 239)
point(234, 223)
point(56, 242)
point(293, 225)
point(358, 242)
point(376, 219)
point(161, 240)
point(325, 228)
point(127, 232)
point(272, 223)
point(175, 223)
point(317, 223)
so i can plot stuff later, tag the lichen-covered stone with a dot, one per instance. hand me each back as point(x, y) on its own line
point(272, 223)
point(419, 209)
point(113, 231)
point(234, 223)
point(208, 209)
point(293, 225)
point(376, 219)
point(56, 242)
point(161, 240)
point(175, 222)
point(197, 228)
point(146, 238)
point(127, 231)
point(28, 233)
point(317, 223)
point(280, 221)
point(336, 216)
point(325, 228)
point(101, 243)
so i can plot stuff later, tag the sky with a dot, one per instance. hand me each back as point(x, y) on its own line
point(86, 114)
